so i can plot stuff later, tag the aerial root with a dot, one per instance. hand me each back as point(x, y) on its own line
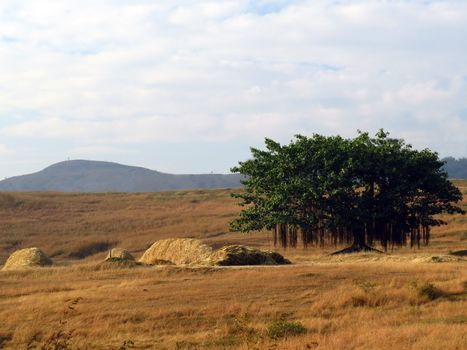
point(360, 248)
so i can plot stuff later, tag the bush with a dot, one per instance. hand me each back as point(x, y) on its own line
point(429, 291)
point(283, 329)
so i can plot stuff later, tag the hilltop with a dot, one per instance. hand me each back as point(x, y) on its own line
point(456, 168)
point(98, 176)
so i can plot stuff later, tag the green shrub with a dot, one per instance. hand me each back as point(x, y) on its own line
point(283, 329)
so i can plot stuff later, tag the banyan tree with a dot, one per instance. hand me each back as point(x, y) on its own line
point(330, 190)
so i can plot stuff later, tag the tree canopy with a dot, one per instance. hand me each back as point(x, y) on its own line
point(359, 191)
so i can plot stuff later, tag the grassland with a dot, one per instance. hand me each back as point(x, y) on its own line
point(397, 301)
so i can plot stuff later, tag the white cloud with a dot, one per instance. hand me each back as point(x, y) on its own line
point(4, 150)
point(137, 71)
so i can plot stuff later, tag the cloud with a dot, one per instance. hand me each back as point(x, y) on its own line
point(4, 150)
point(115, 72)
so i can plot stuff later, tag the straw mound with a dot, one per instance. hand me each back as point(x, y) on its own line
point(234, 255)
point(118, 253)
point(29, 257)
point(178, 252)
point(193, 252)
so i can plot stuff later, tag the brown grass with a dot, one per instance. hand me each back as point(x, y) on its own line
point(341, 306)
point(61, 224)
point(362, 302)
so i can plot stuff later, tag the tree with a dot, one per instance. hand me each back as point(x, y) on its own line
point(327, 189)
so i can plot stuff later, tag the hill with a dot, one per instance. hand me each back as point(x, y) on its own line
point(456, 168)
point(96, 176)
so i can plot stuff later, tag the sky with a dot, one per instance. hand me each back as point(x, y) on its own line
point(190, 86)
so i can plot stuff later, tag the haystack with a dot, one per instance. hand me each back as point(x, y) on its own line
point(193, 252)
point(182, 251)
point(237, 255)
point(24, 258)
point(120, 254)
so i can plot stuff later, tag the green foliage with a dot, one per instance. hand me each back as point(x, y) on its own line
point(331, 189)
point(284, 329)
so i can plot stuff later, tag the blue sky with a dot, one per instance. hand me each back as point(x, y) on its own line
point(189, 86)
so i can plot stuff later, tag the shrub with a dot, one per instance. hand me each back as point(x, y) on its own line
point(429, 291)
point(283, 329)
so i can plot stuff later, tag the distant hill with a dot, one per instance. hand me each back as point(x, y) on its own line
point(96, 176)
point(456, 168)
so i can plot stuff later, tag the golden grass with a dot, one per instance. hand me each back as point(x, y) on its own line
point(342, 306)
point(68, 226)
point(365, 301)
point(60, 224)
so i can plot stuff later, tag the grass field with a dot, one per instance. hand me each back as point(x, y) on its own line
point(403, 300)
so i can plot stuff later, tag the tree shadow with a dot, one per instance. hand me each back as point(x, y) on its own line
point(459, 253)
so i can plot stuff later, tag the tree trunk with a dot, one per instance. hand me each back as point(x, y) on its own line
point(359, 245)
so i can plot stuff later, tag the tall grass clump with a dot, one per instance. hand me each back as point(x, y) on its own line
point(430, 292)
point(284, 329)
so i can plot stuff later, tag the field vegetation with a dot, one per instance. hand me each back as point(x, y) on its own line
point(406, 299)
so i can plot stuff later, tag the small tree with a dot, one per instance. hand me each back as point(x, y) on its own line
point(336, 190)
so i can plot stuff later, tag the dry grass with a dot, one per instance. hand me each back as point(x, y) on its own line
point(398, 301)
point(341, 306)
point(63, 225)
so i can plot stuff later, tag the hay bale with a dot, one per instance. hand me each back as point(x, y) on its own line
point(237, 255)
point(24, 258)
point(182, 251)
point(193, 252)
point(119, 253)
